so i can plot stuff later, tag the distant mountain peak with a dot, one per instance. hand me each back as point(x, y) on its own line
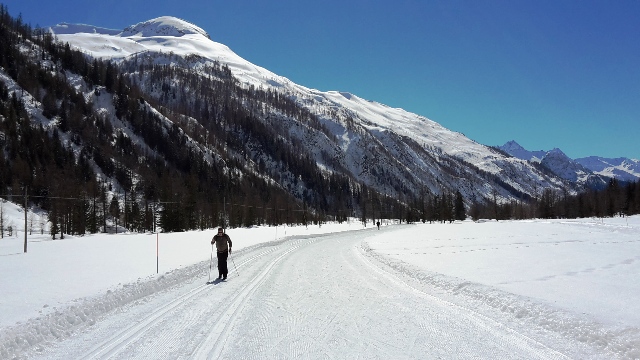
point(557, 152)
point(164, 26)
point(512, 144)
point(516, 150)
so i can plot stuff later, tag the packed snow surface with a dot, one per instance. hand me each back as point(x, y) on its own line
point(513, 290)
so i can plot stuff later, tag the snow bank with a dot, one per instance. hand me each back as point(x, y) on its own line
point(573, 278)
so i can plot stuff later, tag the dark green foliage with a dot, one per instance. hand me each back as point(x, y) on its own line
point(459, 208)
point(616, 199)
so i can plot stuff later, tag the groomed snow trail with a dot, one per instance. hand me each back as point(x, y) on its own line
point(307, 297)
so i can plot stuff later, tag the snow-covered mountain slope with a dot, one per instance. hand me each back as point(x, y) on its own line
point(563, 166)
point(372, 139)
point(620, 168)
point(162, 35)
point(168, 34)
point(163, 26)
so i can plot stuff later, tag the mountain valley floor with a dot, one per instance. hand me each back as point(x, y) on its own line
point(510, 290)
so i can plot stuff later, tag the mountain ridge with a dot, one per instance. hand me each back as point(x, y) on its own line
point(426, 144)
point(163, 26)
point(581, 169)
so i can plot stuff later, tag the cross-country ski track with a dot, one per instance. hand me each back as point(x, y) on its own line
point(316, 297)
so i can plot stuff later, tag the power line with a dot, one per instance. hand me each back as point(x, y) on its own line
point(336, 212)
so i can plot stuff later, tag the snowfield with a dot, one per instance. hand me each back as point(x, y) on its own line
point(502, 290)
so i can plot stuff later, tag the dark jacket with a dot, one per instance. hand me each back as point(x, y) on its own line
point(221, 242)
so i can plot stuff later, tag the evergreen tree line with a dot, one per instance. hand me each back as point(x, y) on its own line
point(446, 206)
point(616, 199)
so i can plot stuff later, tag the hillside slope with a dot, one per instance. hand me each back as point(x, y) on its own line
point(393, 151)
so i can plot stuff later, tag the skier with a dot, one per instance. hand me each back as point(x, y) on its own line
point(378, 223)
point(221, 239)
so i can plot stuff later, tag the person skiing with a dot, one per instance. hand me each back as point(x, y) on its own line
point(222, 240)
point(378, 223)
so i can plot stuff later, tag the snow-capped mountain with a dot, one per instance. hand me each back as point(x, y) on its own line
point(563, 166)
point(162, 35)
point(620, 168)
point(591, 171)
point(389, 149)
point(555, 161)
point(516, 150)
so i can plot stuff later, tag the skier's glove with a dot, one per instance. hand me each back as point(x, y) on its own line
point(229, 250)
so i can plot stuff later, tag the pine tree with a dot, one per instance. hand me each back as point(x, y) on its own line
point(460, 213)
point(114, 210)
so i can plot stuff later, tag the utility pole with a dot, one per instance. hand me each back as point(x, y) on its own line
point(25, 218)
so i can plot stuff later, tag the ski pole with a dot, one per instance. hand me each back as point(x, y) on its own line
point(234, 264)
point(210, 262)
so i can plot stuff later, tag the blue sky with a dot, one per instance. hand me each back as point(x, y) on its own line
point(547, 74)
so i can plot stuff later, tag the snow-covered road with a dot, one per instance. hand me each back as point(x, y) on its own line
point(313, 297)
